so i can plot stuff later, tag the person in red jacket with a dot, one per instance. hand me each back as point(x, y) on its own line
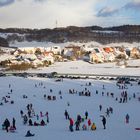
point(89, 123)
point(71, 124)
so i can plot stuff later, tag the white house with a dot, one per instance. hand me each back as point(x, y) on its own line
point(54, 49)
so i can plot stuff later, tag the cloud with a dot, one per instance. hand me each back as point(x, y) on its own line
point(6, 2)
point(31, 14)
point(135, 5)
point(107, 11)
point(40, 0)
point(44, 13)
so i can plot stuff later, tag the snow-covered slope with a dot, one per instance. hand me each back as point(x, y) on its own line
point(81, 67)
point(58, 127)
point(50, 44)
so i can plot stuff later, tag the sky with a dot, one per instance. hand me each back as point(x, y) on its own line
point(62, 13)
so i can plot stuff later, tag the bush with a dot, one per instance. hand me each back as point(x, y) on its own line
point(5, 63)
point(20, 67)
point(45, 63)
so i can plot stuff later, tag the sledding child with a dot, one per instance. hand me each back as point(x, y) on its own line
point(84, 127)
point(93, 126)
point(12, 129)
point(42, 123)
point(29, 134)
point(36, 124)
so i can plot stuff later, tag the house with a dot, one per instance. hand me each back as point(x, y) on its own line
point(109, 57)
point(100, 54)
point(48, 56)
point(7, 49)
point(37, 62)
point(95, 57)
point(86, 57)
point(88, 48)
point(72, 51)
point(27, 49)
point(109, 54)
point(55, 49)
point(30, 57)
point(135, 53)
point(108, 50)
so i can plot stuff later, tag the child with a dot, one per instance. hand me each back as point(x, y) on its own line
point(93, 127)
point(84, 127)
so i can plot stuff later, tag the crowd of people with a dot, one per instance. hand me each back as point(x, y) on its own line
point(83, 123)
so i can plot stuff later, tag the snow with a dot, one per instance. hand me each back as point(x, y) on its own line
point(50, 44)
point(87, 44)
point(106, 31)
point(58, 126)
point(6, 57)
point(81, 67)
point(5, 35)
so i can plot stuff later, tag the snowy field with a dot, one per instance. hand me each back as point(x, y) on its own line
point(58, 127)
point(49, 44)
point(81, 67)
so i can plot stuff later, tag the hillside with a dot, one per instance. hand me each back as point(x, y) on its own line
point(125, 33)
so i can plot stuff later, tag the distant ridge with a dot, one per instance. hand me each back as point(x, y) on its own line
point(104, 35)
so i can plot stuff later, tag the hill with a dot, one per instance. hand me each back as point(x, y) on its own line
point(125, 33)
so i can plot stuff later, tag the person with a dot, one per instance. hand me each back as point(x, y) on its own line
point(29, 134)
point(68, 104)
point(37, 117)
point(86, 115)
point(47, 115)
point(66, 114)
point(42, 123)
point(12, 129)
point(127, 118)
point(21, 113)
point(93, 126)
point(107, 112)
point(14, 122)
point(84, 127)
point(25, 119)
point(71, 124)
point(9, 85)
point(79, 118)
point(104, 122)
point(36, 124)
point(100, 107)
point(29, 113)
point(77, 123)
point(111, 110)
point(41, 114)
point(6, 124)
point(30, 122)
point(89, 123)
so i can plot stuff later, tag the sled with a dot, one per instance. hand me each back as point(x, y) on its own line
point(137, 128)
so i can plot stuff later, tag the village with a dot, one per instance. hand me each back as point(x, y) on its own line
point(23, 58)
